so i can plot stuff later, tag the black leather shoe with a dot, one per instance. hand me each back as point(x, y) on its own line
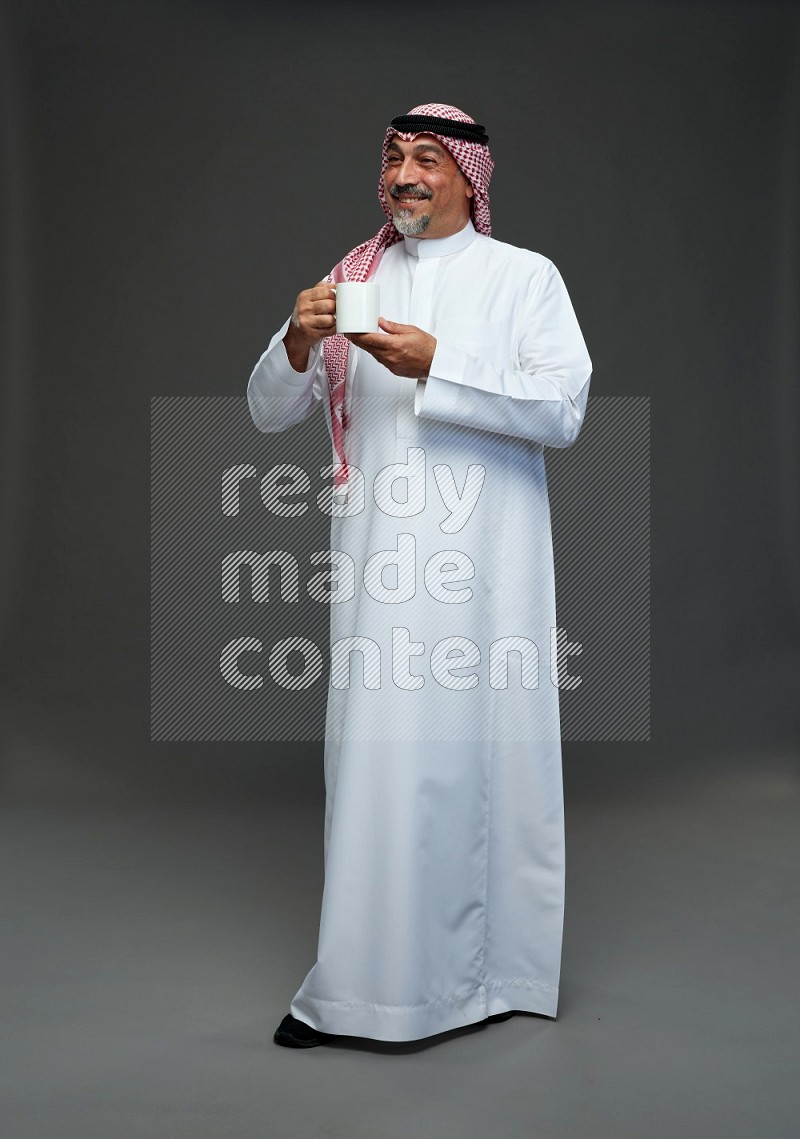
point(498, 1016)
point(294, 1033)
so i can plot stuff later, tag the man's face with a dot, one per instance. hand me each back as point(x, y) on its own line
point(425, 189)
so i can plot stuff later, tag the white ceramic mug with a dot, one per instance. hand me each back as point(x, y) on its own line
point(358, 306)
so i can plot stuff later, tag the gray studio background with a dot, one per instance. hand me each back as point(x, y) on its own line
point(173, 174)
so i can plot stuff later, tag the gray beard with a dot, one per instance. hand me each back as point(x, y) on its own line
point(409, 225)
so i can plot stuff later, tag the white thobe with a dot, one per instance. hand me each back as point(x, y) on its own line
point(443, 899)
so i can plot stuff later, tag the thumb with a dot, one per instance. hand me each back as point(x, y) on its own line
point(390, 325)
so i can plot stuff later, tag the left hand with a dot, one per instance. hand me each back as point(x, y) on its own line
point(405, 351)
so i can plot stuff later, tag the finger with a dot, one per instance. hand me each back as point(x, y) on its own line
point(393, 326)
point(377, 352)
point(321, 321)
point(317, 309)
point(323, 326)
point(324, 304)
point(323, 289)
point(368, 340)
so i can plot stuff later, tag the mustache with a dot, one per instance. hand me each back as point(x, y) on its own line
point(409, 192)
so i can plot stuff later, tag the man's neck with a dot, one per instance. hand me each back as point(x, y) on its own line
point(441, 246)
point(456, 228)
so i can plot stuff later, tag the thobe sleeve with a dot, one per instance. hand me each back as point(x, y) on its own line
point(541, 396)
point(277, 395)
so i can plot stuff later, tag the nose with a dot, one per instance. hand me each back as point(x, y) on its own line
point(406, 172)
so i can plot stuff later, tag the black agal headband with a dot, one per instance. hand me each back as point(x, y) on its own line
point(430, 124)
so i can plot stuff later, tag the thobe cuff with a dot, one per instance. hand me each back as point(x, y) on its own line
point(277, 395)
point(438, 394)
point(284, 368)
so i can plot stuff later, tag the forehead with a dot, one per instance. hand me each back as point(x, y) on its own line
point(422, 144)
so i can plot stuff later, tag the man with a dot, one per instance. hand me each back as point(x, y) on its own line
point(443, 902)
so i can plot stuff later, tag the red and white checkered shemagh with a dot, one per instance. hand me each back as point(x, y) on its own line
point(475, 162)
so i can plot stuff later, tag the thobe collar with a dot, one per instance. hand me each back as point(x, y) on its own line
point(420, 247)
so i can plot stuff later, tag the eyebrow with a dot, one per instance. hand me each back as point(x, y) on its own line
point(417, 149)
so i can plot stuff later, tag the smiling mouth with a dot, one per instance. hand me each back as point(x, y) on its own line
point(408, 198)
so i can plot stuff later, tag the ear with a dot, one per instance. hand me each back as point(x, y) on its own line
point(469, 191)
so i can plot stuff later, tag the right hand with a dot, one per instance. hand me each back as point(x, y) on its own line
point(314, 315)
